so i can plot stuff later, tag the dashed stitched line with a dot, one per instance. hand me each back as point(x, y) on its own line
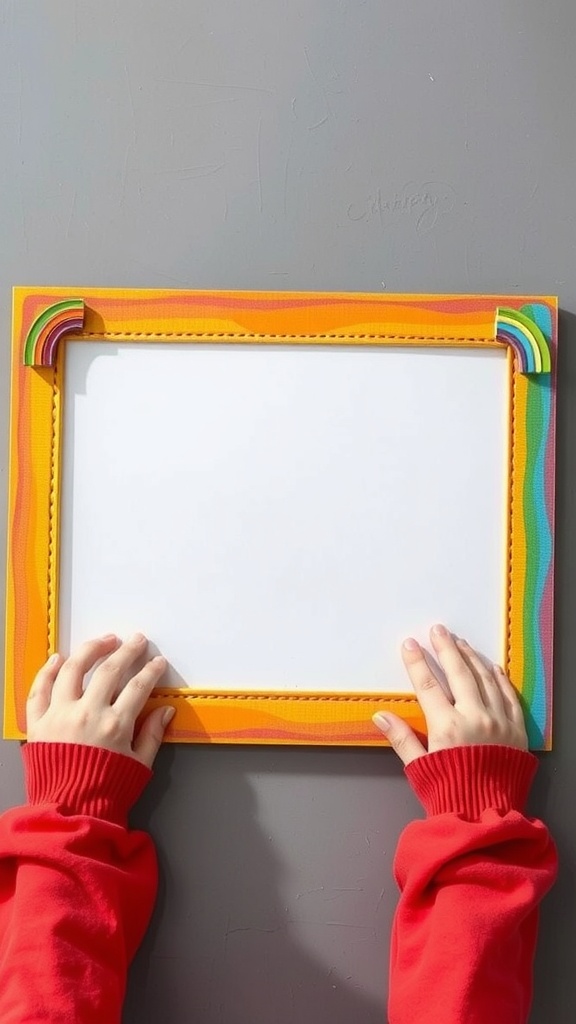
point(512, 471)
point(280, 337)
point(292, 698)
point(52, 507)
point(251, 335)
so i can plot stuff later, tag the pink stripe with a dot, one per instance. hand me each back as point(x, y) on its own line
point(247, 734)
point(547, 608)
point(48, 349)
point(248, 300)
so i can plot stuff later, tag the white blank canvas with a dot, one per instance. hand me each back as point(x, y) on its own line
point(278, 517)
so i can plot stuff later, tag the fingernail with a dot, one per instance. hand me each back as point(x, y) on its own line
point(108, 636)
point(53, 659)
point(411, 644)
point(439, 630)
point(168, 716)
point(137, 638)
point(382, 721)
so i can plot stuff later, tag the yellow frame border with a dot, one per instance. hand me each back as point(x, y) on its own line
point(259, 318)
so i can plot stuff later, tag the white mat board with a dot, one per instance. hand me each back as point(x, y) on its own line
point(281, 517)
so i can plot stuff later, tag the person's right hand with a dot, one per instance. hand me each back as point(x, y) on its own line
point(481, 707)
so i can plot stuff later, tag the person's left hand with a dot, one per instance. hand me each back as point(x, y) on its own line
point(104, 715)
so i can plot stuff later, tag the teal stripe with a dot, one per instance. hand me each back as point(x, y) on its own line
point(538, 540)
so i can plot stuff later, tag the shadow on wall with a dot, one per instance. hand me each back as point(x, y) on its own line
point(222, 948)
point(554, 976)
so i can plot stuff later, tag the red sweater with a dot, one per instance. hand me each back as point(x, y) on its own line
point(77, 889)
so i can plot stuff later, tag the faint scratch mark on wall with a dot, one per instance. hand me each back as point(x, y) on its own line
point(216, 85)
point(131, 98)
point(253, 928)
point(221, 99)
point(286, 168)
point(72, 212)
point(467, 264)
point(125, 174)
point(190, 173)
point(259, 164)
point(346, 924)
point(320, 87)
point(380, 898)
point(20, 92)
point(308, 892)
point(202, 171)
point(312, 127)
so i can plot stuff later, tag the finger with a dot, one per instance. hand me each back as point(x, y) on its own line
point(40, 693)
point(429, 690)
point(485, 679)
point(401, 737)
point(109, 677)
point(68, 685)
point(461, 679)
point(149, 739)
point(510, 697)
point(131, 700)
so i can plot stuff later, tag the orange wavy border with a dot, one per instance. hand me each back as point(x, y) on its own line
point(462, 321)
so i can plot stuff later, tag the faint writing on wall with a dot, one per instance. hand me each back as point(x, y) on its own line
point(425, 204)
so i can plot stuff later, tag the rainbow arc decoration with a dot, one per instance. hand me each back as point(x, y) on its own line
point(523, 334)
point(526, 325)
point(66, 317)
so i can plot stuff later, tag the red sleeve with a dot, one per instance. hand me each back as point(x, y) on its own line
point(77, 887)
point(471, 878)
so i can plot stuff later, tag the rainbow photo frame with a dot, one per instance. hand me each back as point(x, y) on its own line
point(46, 321)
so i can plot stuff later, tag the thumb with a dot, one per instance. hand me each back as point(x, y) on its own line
point(148, 741)
point(400, 736)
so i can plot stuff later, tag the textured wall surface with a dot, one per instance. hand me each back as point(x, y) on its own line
point(340, 144)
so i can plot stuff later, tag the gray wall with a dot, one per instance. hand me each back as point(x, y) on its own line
point(316, 144)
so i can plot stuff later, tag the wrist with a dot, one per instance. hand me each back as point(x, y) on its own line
point(468, 780)
point(83, 780)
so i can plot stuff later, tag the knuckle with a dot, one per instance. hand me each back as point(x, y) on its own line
point(141, 684)
point(108, 668)
point(111, 728)
point(452, 733)
point(399, 741)
point(82, 717)
point(487, 728)
point(461, 670)
point(75, 663)
point(428, 682)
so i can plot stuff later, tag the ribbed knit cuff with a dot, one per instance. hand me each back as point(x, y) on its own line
point(469, 780)
point(83, 780)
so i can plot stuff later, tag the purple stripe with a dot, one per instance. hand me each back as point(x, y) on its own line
point(48, 352)
point(512, 340)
